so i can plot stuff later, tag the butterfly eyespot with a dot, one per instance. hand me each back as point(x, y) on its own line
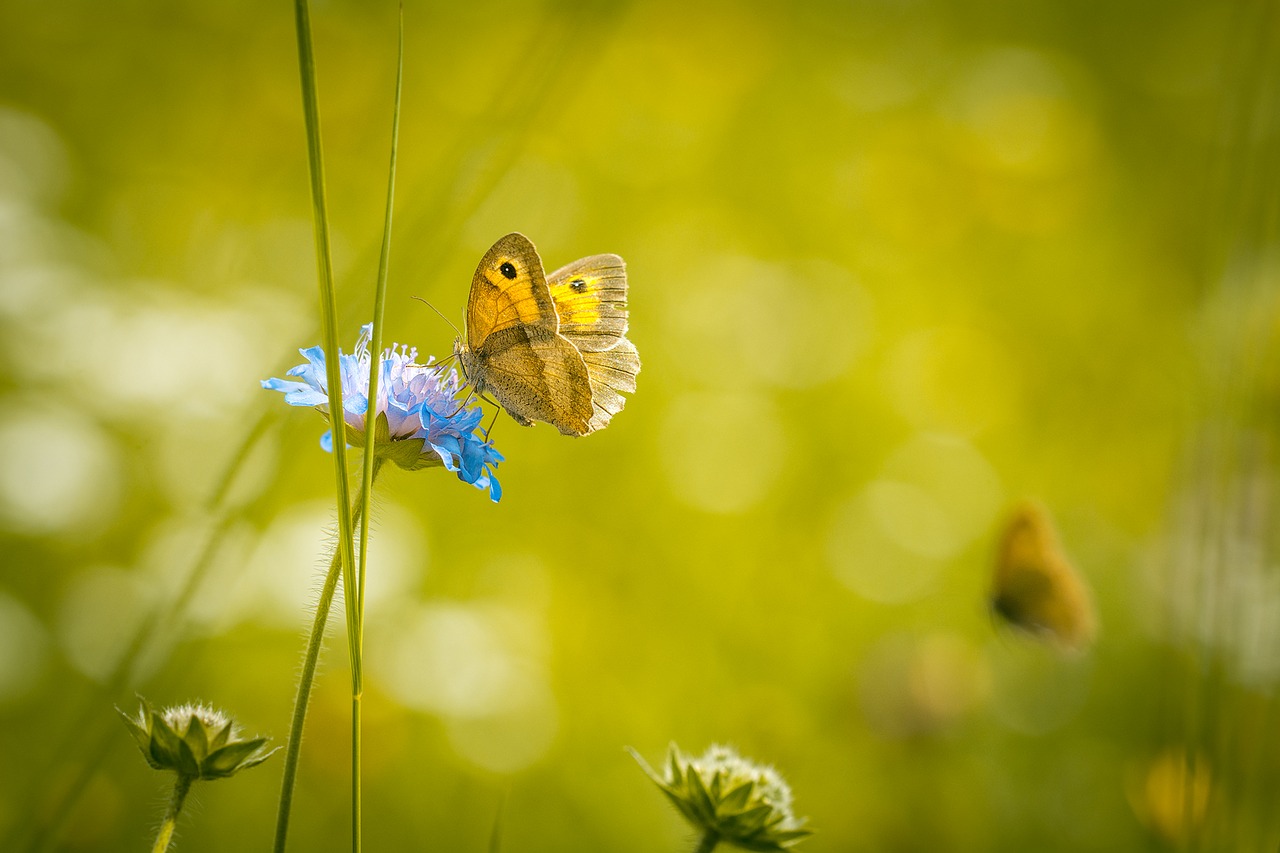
point(578, 284)
point(508, 269)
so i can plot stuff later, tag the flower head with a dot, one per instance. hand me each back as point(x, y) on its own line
point(730, 797)
point(419, 423)
point(195, 741)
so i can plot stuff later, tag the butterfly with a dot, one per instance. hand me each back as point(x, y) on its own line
point(1035, 587)
point(549, 348)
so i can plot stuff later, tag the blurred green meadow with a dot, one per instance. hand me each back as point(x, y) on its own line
point(893, 264)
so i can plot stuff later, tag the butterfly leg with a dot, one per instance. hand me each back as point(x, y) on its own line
point(463, 404)
point(488, 433)
point(442, 364)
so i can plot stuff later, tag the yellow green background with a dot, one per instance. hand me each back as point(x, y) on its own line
point(894, 265)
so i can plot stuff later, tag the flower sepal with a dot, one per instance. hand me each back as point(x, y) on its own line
point(194, 741)
point(407, 453)
point(729, 797)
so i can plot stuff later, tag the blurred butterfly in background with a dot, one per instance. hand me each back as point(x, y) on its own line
point(549, 348)
point(1035, 588)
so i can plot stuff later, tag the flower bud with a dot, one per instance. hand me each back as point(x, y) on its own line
point(194, 741)
point(731, 798)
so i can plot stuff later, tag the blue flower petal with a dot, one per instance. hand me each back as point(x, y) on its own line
point(296, 393)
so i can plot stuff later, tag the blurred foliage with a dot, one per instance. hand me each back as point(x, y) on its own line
point(894, 265)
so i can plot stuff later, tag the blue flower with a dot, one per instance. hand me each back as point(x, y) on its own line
point(419, 423)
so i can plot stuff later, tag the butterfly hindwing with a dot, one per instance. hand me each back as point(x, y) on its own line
point(538, 376)
point(612, 373)
point(590, 297)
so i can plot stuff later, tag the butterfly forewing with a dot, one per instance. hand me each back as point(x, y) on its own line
point(508, 290)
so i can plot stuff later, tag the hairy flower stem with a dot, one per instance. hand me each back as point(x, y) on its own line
point(314, 642)
point(180, 789)
point(708, 843)
point(355, 772)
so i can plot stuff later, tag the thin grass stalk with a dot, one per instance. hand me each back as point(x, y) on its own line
point(495, 834)
point(356, 626)
point(305, 681)
point(328, 304)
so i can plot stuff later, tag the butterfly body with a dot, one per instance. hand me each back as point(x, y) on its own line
point(549, 349)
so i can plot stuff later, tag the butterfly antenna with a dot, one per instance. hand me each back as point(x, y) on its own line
point(441, 313)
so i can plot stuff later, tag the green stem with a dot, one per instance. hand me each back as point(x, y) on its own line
point(300, 702)
point(708, 843)
point(328, 308)
point(355, 625)
point(180, 789)
point(355, 771)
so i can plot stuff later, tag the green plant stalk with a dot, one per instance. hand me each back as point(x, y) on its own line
point(294, 749)
point(165, 835)
point(328, 306)
point(708, 843)
point(355, 626)
point(344, 555)
point(355, 769)
point(495, 835)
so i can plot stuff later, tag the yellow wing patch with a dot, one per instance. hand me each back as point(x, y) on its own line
point(590, 296)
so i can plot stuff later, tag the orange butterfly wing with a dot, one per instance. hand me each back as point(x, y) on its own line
point(508, 290)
